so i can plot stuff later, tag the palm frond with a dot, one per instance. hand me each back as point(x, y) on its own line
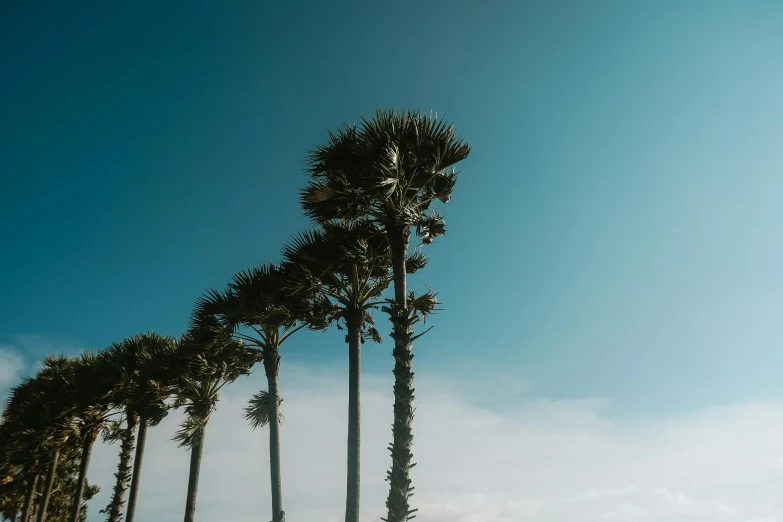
point(258, 409)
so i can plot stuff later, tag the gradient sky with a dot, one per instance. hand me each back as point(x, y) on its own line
point(615, 233)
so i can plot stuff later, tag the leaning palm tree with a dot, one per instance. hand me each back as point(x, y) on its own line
point(257, 309)
point(390, 170)
point(92, 412)
point(156, 380)
point(43, 426)
point(212, 361)
point(137, 387)
point(349, 264)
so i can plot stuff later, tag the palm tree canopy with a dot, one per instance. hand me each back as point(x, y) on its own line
point(137, 373)
point(209, 360)
point(347, 262)
point(390, 167)
point(258, 299)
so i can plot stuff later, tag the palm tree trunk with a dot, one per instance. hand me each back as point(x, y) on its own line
point(195, 469)
point(134, 487)
point(354, 418)
point(28, 501)
point(398, 502)
point(123, 469)
point(48, 488)
point(272, 368)
point(81, 483)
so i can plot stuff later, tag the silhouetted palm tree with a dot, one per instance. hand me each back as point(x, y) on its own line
point(92, 411)
point(155, 385)
point(390, 170)
point(349, 264)
point(212, 362)
point(257, 309)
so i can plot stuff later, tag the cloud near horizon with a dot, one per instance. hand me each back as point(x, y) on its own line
point(536, 460)
point(544, 461)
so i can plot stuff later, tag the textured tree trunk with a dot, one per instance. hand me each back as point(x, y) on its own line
point(123, 470)
point(81, 483)
point(28, 500)
point(398, 502)
point(195, 469)
point(354, 419)
point(141, 439)
point(48, 487)
point(272, 368)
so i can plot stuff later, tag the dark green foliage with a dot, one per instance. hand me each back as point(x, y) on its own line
point(389, 170)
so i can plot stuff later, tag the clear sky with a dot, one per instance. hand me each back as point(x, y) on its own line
point(615, 233)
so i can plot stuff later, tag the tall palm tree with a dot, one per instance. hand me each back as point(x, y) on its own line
point(140, 396)
point(390, 170)
point(39, 434)
point(257, 309)
point(212, 361)
point(156, 380)
point(92, 411)
point(43, 424)
point(350, 265)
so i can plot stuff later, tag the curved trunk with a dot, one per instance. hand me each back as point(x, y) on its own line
point(354, 418)
point(48, 487)
point(28, 500)
point(81, 482)
point(398, 502)
point(123, 470)
point(195, 468)
point(272, 368)
point(141, 440)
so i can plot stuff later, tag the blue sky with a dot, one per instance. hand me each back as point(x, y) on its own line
point(615, 232)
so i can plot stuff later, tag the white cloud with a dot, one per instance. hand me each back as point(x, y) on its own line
point(719, 507)
point(474, 464)
point(673, 497)
point(595, 494)
point(11, 367)
point(625, 512)
point(765, 519)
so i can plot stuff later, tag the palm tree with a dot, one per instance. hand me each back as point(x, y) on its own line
point(43, 426)
point(257, 309)
point(213, 361)
point(140, 396)
point(350, 265)
point(390, 170)
point(156, 378)
point(92, 412)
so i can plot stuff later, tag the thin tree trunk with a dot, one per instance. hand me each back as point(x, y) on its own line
point(28, 501)
point(48, 487)
point(141, 440)
point(354, 419)
point(400, 488)
point(81, 483)
point(272, 367)
point(123, 470)
point(195, 469)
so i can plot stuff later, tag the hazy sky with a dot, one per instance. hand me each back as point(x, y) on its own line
point(610, 344)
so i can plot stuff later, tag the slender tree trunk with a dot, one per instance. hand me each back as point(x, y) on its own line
point(354, 419)
point(81, 483)
point(400, 488)
point(134, 487)
point(48, 487)
point(28, 501)
point(195, 469)
point(272, 368)
point(123, 470)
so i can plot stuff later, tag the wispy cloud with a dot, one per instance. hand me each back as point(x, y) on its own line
point(474, 464)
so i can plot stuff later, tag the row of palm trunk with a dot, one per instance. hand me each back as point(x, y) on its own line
point(370, 189)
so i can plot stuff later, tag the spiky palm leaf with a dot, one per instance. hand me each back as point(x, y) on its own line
point(257, 410)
